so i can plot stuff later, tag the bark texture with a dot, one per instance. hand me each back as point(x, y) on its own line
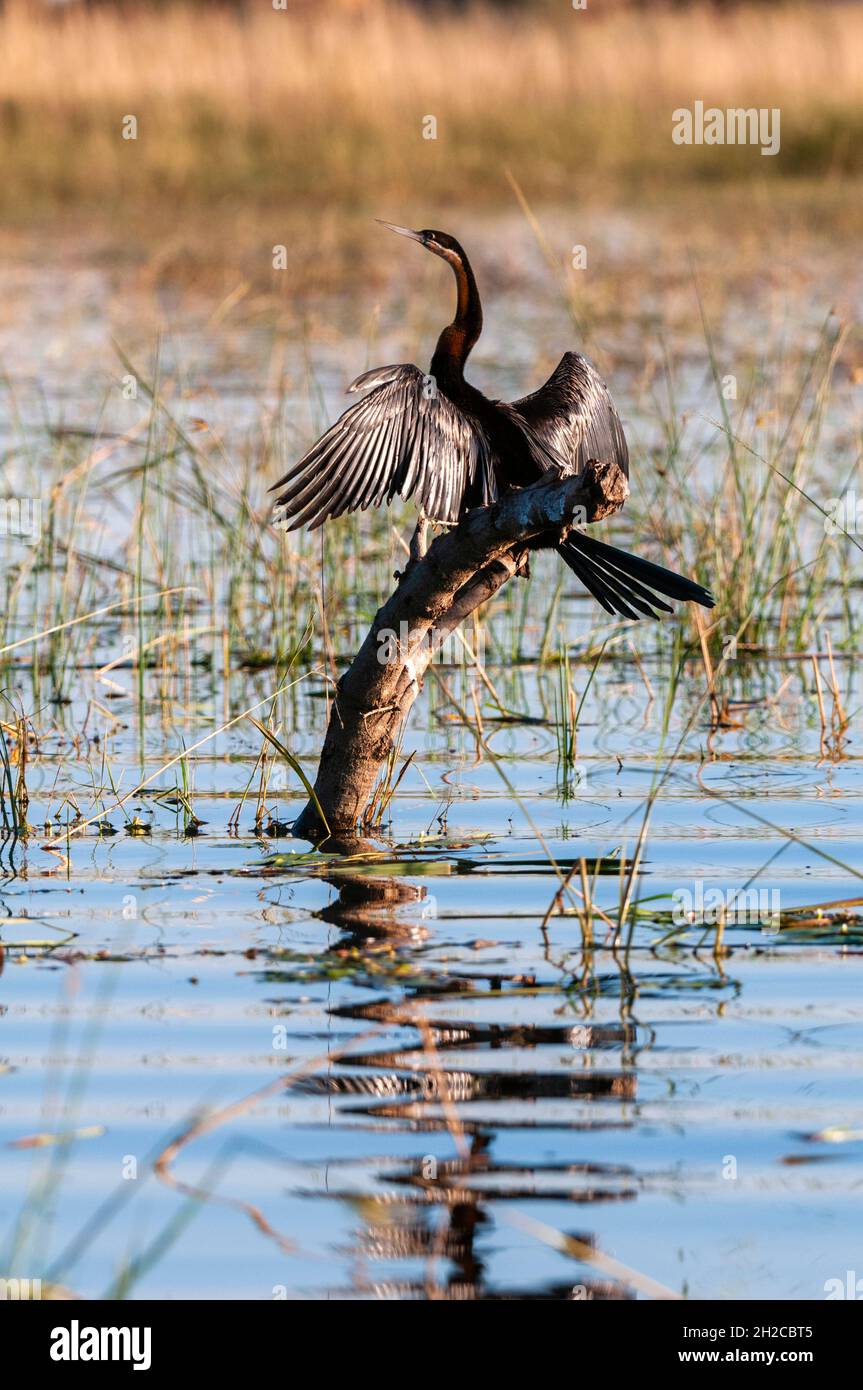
point(462, 569)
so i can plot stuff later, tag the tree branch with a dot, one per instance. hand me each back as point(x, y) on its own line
point(462, 569)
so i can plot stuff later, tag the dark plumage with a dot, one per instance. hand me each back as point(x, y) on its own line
point(436, 438)
point(403, 438)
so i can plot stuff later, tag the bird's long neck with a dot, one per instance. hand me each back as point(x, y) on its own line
point(457, 339)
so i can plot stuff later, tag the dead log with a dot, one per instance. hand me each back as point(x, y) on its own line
point(462, 569)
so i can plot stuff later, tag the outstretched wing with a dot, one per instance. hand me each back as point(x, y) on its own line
point(404, 437)
point(575, 416)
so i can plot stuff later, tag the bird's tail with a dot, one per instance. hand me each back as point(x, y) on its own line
point(623, 583)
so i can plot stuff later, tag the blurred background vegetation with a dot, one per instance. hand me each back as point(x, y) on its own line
point(324, 101)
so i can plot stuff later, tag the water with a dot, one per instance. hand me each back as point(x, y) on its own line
point(397, 1075)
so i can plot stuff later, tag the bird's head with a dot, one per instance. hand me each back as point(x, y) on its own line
point(439, 243)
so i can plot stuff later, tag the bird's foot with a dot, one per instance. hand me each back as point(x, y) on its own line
point(419, 540)
point(418, 546)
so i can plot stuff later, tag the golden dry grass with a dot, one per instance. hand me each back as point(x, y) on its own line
point(330, 103)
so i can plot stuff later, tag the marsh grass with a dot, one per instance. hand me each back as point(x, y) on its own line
point(321, 104)
point(197, 580)
point(186, 577)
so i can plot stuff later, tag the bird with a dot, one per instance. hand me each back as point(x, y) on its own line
point(434, 437)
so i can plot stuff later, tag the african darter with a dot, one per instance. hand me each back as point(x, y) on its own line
point(435, 437)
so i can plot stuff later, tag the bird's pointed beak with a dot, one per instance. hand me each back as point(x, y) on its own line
point(402, 231)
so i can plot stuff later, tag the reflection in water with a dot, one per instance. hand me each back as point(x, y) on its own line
point(434, 1209)
point(369, 907)
point(441, 1223)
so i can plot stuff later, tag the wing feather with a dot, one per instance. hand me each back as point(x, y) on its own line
point(574, 416)
point(400, 439)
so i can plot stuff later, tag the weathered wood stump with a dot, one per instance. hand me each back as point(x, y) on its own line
point(462, 569)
